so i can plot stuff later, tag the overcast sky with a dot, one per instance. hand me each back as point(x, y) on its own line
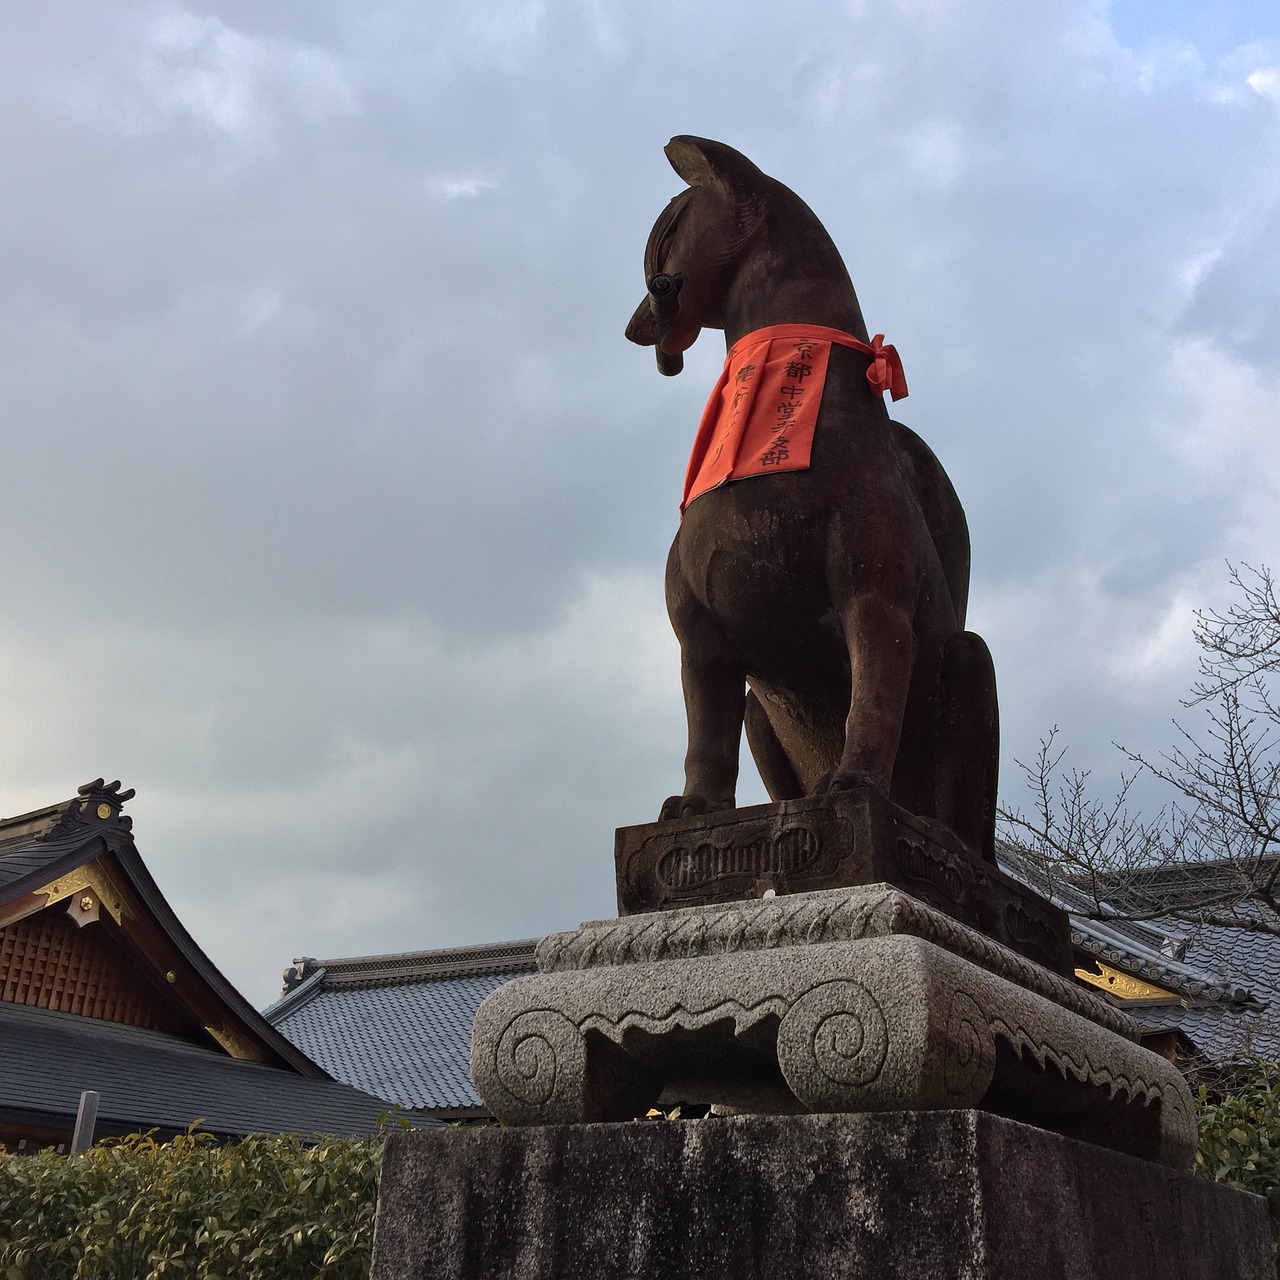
point(335, 504)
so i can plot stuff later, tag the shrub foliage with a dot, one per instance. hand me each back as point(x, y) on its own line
point(1239, 1126)
point(274, 1208)
point(137, 1209)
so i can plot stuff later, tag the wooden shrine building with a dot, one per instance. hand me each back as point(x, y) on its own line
point(102, 989)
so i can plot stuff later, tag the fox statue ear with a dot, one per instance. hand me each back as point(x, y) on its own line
point(700, 161)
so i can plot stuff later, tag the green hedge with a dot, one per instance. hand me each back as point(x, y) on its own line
point(265, 1208)
point(1239, 1124)
point(275, 1208)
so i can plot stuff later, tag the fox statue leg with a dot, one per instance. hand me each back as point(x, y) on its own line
point(714, 679)
point(969, 743)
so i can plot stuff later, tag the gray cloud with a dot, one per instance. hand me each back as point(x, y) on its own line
point(336, 504)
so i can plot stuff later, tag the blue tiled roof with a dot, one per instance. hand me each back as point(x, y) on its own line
point(1227, 980)
point(1221, 1033)
point(399, 1027)
point(1225, 1029)
point(1252, 958)
point(149, 1079)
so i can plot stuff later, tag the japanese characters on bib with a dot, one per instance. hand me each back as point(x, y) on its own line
point(762, 412)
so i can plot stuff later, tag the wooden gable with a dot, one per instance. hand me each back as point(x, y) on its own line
point(48, 960)
point(84, 930)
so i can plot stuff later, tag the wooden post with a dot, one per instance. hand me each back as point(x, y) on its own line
point(86, 1118)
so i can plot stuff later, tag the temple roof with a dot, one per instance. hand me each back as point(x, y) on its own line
point(82, 850)
point(399, 1026)
point(152, 1080)
point(102, 988)
point(1223, 983)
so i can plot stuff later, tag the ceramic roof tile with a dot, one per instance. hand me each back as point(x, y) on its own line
point(1221, 1033)
point(150, 1079)
point(1229, 978)
point(405, 1040)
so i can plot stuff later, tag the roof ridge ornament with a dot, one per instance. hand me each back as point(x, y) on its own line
point(99, 787)
point(97, 803)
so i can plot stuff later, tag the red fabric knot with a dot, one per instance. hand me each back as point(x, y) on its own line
point(884, 373)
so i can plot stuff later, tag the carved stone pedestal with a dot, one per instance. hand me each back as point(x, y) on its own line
point(951, 1195)
point(827, 842)
point(845, 1000)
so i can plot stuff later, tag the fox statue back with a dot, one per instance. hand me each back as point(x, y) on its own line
point(819, 579)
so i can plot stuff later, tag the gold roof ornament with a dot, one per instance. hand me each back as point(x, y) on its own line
point(92, 876)
point(235, 1044)
point(1123, 986)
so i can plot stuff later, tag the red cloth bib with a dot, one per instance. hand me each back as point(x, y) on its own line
point(761, 415)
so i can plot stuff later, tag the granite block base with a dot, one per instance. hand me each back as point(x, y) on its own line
point(844, 1000)
point(943, 1195)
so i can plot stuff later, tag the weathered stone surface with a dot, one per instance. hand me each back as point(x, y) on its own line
point(802, 919)
point(824, 842)
point(878, 1024)
point(958, 1195)
point(840, 1001)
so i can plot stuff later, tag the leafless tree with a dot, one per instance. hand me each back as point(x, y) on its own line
point(1223, 773)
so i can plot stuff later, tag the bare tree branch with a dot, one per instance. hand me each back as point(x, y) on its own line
point(1224, 776)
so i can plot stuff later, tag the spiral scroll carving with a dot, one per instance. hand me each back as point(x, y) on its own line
point(540, 1053)
point(834, 1035)
point(971, 1052)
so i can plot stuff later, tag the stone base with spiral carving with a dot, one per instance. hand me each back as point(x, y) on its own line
point(853, 1000)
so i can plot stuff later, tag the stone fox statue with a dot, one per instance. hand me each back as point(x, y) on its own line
point(819, 578)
